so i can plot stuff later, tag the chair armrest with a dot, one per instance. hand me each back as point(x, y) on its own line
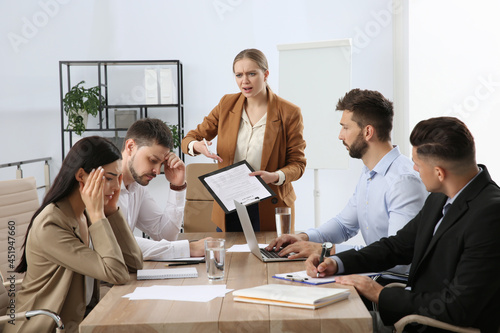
point(401, 324)
point(18, 282)
point(26, 315)
point(6, 283)
point(395, 285)
point(51, 314)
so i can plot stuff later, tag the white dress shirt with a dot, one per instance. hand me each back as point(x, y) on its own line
point(162, 225)
point(250, 141)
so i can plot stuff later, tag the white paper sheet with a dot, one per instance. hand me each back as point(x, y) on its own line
point(235, 184)
point(197, 293)
point(151, 85)
point(243, 248)
point(166, 86)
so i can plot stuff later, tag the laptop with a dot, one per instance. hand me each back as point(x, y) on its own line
point(262, 254)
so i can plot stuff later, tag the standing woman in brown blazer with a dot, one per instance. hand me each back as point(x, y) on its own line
point(76, 237)
point(258, 126)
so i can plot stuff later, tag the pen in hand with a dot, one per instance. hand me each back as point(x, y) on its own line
point(324, 247)
point(208, 149)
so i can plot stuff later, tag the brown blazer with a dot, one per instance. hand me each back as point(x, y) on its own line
point(283, 148)
point(58, 262)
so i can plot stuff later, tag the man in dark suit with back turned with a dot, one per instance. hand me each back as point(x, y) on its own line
point(453, 243)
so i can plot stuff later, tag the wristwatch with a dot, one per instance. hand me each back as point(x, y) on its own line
point(325, 250)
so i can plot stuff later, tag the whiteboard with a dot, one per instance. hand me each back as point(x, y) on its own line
point(314, 76)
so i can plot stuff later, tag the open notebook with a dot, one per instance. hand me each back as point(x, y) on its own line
point(167, 273)
point(291, 296)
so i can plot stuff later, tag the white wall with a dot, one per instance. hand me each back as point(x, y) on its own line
point(455, 68)
point(204, 35)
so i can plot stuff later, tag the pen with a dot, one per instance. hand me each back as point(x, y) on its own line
point(326, 246)
point(295, 279)
point(181, 264)
point(206, 145)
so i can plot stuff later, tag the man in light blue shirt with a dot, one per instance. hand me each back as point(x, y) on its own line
point(389, 192)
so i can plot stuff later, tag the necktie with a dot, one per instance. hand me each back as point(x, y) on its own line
point(445, 210)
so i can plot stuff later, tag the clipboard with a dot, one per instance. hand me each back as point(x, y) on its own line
point(233, 183)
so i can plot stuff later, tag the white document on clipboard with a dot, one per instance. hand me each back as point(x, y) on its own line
point(234, 183)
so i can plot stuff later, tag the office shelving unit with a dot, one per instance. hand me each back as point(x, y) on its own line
point(125, 87)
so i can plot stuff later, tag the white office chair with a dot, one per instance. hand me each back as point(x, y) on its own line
point(18, 203)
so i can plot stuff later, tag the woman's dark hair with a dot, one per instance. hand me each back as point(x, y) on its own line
point(88, 153)
point(369, 107)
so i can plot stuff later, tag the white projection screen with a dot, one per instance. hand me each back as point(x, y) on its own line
point(314, 76)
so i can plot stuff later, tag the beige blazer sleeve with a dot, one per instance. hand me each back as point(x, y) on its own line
point(131, 251)
point(208, 129)
point(56, 238)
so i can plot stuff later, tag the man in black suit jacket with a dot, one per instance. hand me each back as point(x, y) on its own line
point(453, 243)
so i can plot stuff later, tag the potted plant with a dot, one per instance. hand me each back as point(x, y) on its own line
point(175, 134)
point(80, 102)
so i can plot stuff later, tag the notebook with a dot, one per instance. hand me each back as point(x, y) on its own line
point(291, 296)
point(262, 254)
point(167, 273)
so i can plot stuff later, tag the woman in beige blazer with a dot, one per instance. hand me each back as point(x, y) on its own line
point(258, 126)
point(76, 237)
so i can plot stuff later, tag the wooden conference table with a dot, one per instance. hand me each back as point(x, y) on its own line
point(243, 270)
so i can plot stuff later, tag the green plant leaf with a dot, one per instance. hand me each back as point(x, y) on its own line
point(79, 100)
point(175, 134)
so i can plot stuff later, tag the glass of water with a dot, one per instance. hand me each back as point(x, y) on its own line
point(215, 256)
point(283, 220)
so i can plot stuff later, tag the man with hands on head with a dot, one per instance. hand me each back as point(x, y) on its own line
point(389, 192)
point(452, 243)
point(147, 146)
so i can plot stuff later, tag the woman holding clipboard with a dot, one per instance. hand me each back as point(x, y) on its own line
point(258, 126)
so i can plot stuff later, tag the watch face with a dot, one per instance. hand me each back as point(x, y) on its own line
point(327, 245)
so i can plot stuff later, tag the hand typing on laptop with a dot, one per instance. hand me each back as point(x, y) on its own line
point(262, 254)
point(297, 244)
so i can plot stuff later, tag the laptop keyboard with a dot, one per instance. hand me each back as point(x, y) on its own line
point(270, 254)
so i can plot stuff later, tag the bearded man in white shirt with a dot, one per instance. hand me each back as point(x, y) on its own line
point(148, 144)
